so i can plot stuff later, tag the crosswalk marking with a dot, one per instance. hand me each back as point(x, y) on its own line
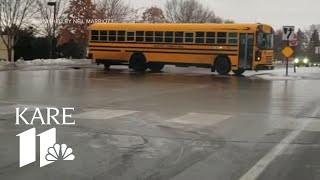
point(199, 119)
point(192, 118)
point(102, 114)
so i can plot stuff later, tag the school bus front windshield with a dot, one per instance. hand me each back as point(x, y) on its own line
point(265, 41)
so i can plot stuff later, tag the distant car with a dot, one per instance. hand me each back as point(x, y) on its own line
point(315, 64)
point(302, 62)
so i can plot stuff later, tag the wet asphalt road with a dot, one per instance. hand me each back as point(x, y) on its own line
point(173, 125)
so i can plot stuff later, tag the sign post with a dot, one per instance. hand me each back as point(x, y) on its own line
point(293, 43)
point(288, 35)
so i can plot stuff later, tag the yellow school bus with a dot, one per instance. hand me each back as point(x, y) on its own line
point(221, 47)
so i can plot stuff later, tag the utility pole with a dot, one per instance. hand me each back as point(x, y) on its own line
point(52, 53)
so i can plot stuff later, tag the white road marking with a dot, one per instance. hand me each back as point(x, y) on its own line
point(263, 163)
point(102, 114)
point(200, 119)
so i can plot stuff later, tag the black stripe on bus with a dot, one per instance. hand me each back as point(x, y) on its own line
point(165, 52)
point(111, 50)
point(172, 44)
point(189, 49)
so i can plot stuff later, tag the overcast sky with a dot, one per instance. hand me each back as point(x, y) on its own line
point(300, 13)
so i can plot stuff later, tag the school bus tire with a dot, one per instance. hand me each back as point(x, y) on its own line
point(138, 62)
point(106, 66)
point(239, 72)
point(155, 67)
point(222, 65)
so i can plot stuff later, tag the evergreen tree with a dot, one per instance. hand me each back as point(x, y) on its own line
point(313, 43)
point(300, 49)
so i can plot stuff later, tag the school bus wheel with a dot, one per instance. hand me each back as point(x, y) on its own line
point(222, 65)
point(239, 72)
point(138, 62)
point(106, 66)
point(155, 67)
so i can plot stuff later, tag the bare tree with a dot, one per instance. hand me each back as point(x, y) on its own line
point(228, 21)
point(187, 11)
point(215, 19)
point(117, 10)
point(153, 15)
point(45, 15)
point(14, 15)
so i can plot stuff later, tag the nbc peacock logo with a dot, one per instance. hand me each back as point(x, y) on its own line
point(60, 152)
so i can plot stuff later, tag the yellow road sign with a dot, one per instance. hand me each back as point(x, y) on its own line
point(287, 52)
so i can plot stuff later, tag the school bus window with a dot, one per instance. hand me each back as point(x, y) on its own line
point(140, 36)
point(149, 36)
point(168, 37)
point(178, 37)
point(121, 36)
point(130, 36)
point(94, 35)
point(233, 38)
point(189, 38)
point(211, 36)
point(159, 37)
point(222, 37)
point(200, 37)
point(103, 35)
point(112, 35)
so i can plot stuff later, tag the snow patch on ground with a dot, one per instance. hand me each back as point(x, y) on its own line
point(43, 64)
point(5, 65)
point(280, 74)
point(40, 62)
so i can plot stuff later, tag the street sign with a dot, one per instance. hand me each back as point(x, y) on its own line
point(288, 33)
point(294, 42)
point(287, 52)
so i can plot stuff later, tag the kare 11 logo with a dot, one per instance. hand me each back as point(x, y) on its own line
point(50, 150)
